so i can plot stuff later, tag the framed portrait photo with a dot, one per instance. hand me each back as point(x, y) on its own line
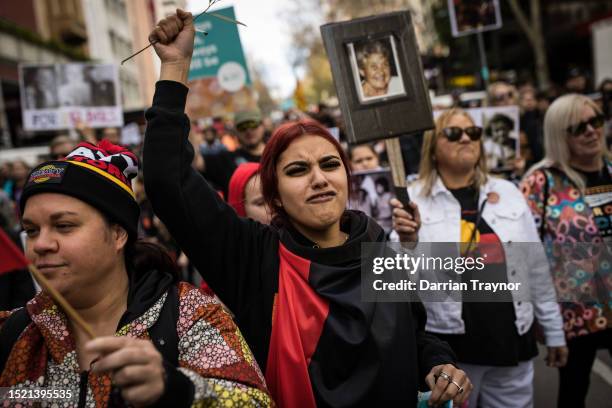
point(378, 76)
point(374, 63)
point(474, 16)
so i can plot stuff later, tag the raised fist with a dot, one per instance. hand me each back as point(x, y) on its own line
point(174, 36)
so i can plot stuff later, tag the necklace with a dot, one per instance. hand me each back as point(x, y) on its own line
point(317, 246)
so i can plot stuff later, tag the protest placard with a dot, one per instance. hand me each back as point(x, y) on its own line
point(61, 95)
point(473, 16)
point(378, 75)
point(371, 192)
point(219, 77)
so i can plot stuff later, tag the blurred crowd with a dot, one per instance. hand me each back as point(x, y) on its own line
point(223, 144)
point(267, 215)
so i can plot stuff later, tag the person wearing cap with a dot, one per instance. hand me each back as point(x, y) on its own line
point(221, 166)
point(159, 341)
point(250, 130)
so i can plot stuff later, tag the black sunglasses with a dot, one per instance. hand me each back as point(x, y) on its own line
point(503, 96)
point(454, 133)
point(596, 122)
point(243, 127)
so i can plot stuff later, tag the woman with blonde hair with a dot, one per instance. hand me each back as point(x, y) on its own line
point(459, 201)
point(570, 195)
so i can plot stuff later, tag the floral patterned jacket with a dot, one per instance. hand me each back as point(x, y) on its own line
point(212, 354)
point(580, 263)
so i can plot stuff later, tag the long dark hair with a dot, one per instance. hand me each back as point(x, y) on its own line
point(143, 256)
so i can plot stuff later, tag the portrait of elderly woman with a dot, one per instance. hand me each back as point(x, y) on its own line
point(376, 69)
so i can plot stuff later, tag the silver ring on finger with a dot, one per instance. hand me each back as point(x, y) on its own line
point(445, 376)
point(459, 388)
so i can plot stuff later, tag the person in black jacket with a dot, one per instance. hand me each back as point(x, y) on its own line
point(294, 287)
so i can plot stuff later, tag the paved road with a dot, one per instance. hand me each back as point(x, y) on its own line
point(547, 380)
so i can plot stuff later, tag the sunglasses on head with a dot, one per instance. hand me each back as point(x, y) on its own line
point(247, 125)
point(454, 133)
point(578, 129)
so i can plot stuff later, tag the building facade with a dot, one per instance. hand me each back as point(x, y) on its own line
point(164, 8)
point(110, 41)
point(34, 32)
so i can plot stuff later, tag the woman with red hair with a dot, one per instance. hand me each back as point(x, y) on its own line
point(295, 287)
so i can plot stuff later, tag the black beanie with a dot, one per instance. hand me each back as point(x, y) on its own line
point(98, 175)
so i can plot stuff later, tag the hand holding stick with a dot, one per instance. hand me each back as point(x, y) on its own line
point(210, 4)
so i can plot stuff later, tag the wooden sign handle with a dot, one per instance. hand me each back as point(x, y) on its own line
point(398, 172)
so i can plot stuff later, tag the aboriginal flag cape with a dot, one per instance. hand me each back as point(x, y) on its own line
point(328, 348)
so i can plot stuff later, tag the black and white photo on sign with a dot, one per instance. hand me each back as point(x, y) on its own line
point(473, 16)
point(375, 67)
point(87, 85)
point(103, 80)
point(500, 136)
point(371, 192)
point(60, 96)
point(39, 87)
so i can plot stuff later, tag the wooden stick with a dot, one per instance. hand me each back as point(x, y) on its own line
point(156, 41)
point(74, 316)
point(396, 162)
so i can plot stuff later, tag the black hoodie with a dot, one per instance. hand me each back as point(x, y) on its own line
point(365, 353)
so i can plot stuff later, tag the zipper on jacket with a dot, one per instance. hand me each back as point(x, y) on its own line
point(83, 389)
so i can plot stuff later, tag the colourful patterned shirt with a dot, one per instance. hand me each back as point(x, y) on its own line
point(212, 353)
point(569, 229)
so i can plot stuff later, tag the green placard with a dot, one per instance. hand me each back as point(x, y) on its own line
point(219, 54)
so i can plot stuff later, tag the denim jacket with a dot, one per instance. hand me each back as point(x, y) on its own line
point(510, 219)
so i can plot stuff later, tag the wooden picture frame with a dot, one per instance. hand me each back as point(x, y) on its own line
point(400, 110)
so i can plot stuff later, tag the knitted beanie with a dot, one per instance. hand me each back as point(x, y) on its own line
point(99, 175)
point(237, 185)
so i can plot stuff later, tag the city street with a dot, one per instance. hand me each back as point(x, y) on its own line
point(547, 380)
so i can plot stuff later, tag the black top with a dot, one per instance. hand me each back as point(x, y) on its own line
point(240, 260)
point(220, 166)
point(491, 337)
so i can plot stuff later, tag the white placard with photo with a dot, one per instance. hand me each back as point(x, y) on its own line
point(371, 192)
point(500, 136)
point(474, 16)
point(59, 96)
